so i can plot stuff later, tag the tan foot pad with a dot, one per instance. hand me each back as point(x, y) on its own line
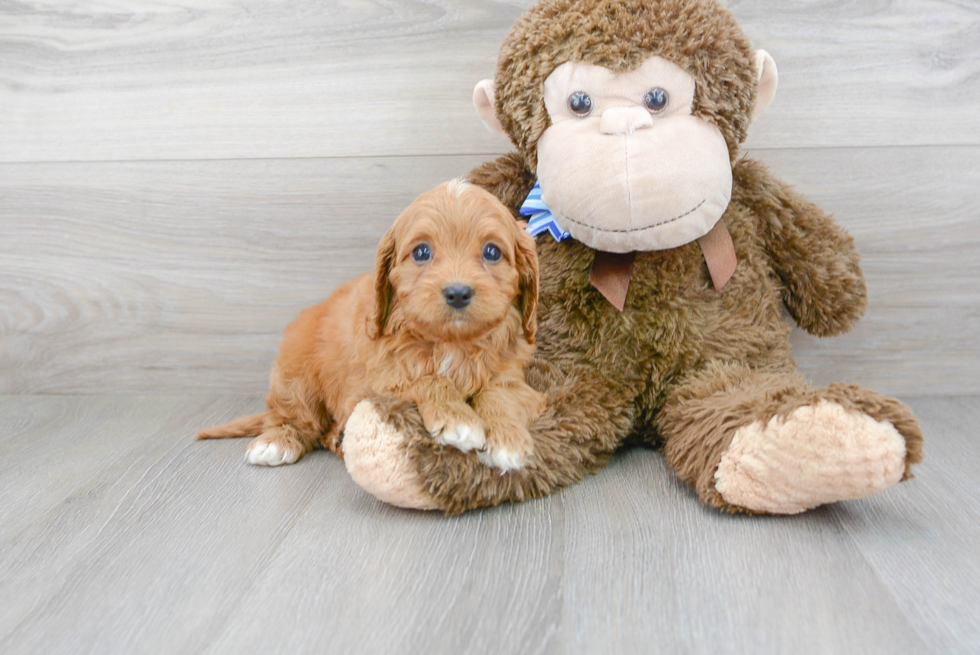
point(375, 458)
point(816, 455)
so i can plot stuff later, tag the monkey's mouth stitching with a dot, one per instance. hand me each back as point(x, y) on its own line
point(638, 229)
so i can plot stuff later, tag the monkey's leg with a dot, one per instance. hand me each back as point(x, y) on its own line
point(769, 442)
point(389, 453)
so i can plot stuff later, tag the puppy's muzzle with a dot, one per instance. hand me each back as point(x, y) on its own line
point(458, 296)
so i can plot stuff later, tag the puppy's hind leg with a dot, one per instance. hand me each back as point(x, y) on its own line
point(280, 444)
point(273, 444)
point(293, 426)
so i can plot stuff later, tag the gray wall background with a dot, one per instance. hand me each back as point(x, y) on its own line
point(178, 179)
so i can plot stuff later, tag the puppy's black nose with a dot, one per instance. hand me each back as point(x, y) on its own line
point(458, 295)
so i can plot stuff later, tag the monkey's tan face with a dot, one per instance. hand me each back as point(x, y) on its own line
point(624, 165)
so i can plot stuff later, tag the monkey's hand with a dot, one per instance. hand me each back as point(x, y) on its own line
point(814, 257)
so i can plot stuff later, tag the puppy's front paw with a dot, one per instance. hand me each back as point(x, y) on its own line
point(464, 436)
point(454, 424)
point(509, 446)
point(263, 451)
point(502, 458)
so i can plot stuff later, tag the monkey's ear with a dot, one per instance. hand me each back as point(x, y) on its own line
point(485, 100)
point(765, 68)
point(384, 293)
point(526, 256)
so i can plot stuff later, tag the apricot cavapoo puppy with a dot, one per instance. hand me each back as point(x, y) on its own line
point(446, 320)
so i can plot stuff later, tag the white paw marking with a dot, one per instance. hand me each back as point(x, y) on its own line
point(502, 458)
point(261, 453)
point(463, 436)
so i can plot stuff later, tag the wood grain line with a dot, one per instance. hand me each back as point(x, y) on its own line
point(252, 79)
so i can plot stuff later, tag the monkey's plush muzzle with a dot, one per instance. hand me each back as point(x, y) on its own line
point(643, 186)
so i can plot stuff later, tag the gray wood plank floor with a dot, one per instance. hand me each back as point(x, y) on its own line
point(120, 534)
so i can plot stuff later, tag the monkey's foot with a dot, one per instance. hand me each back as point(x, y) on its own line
point(815, 455)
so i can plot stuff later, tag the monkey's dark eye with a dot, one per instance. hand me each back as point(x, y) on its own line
point(655, 100)
point(580, 103)
point(491, 253)
point(422, 253)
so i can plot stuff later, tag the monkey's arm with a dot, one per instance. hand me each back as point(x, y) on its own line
point(814, 257)
point(505, 177)
point(389, 453)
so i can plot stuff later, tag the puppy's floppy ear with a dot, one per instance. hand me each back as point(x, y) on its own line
point(384, 293)
point(526, 259)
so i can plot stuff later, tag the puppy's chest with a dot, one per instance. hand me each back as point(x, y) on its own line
point(468, 370)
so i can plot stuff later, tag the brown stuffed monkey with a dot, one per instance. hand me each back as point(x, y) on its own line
point(665, 261)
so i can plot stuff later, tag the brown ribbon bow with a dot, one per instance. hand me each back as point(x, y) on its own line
point(611, 272)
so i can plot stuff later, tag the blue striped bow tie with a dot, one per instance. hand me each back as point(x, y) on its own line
point(539, 216)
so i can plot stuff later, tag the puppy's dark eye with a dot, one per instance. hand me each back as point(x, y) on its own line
point(491, 253)
point(580, 103)
point(422, 253)
point(655, 100)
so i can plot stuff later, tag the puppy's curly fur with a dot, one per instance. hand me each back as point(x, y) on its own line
point(398, 332)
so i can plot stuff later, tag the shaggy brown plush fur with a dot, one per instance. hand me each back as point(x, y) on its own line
point(683, 366)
